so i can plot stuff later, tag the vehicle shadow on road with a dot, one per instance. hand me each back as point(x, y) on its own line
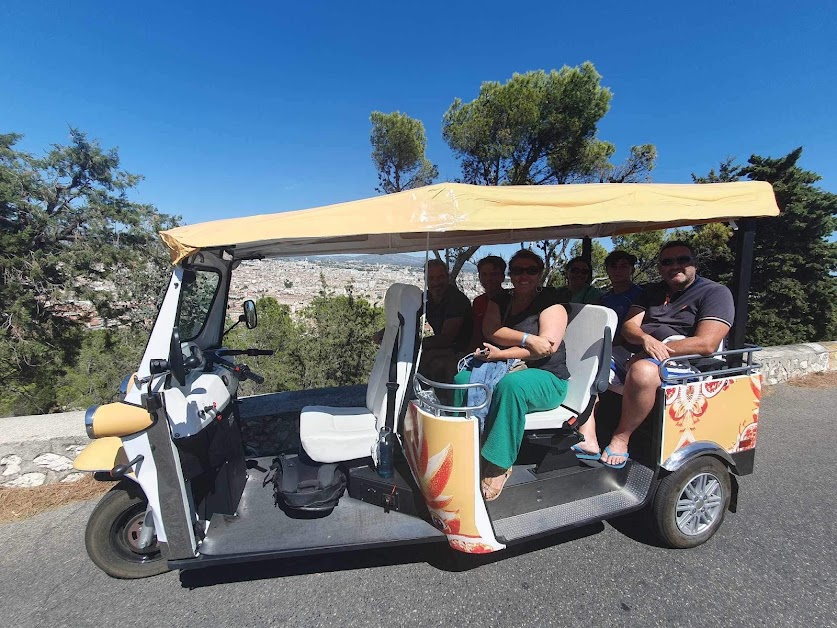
point(637, 526)
point(438, 555)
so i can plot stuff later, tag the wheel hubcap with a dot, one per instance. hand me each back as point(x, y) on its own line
point(700, 504)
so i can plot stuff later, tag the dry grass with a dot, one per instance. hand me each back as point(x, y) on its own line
point(828, 379)
point(17, 504)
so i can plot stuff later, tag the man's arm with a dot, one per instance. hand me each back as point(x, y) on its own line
point(450, 328)
point(707, 338)
point(632, 332)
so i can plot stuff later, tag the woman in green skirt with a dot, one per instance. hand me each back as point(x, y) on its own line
point(527, 324)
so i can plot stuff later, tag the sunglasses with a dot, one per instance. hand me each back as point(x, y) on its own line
point(529, 270)
point(579, 271)
point(682, 260)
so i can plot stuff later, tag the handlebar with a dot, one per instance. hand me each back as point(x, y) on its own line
point(250, 352)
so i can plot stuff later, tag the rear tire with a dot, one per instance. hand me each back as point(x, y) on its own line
point(690, 503)
point(112, 533)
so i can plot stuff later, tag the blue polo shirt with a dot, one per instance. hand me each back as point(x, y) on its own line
point(670, 314)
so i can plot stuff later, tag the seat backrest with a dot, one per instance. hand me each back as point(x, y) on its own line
point(405, 300)
point(585, 349)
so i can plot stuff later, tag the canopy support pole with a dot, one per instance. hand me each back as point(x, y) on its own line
point(742, 276)
point(587, 250)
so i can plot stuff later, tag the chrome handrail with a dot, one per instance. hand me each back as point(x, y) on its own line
point(749, 367)
point(445, 408)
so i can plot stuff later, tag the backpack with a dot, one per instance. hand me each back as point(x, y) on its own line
point(301, 484)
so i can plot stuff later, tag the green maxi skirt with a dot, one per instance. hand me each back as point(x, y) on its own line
point(518, 393)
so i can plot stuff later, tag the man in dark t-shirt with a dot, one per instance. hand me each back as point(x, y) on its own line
point(449, 314)
point(448, 310)
point(684, 314)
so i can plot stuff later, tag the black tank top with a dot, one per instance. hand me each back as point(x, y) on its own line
point(528, 320)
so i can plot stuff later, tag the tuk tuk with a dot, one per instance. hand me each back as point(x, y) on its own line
point(187, 495)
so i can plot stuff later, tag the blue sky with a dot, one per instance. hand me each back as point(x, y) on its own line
point(231, 110)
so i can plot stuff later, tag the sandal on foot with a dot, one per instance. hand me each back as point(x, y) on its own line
point(489, 492)
point(583, 454)
point(617, 465)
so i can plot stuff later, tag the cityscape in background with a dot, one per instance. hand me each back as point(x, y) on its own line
point(296, 282)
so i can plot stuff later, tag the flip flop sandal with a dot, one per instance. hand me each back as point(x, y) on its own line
point(581, 454)
point(617, 465)
point(489, 492)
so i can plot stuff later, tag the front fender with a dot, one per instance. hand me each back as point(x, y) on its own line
point(102, 454)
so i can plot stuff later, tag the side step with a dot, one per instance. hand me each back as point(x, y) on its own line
point(619, 491)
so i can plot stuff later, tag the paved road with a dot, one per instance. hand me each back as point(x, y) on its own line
point(774, 563)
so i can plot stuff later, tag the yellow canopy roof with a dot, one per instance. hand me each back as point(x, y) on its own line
point(455, 214)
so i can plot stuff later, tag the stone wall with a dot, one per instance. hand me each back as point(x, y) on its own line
point(37, 450)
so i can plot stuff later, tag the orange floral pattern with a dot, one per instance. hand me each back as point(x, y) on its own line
point(443, 455)
point(707, 411)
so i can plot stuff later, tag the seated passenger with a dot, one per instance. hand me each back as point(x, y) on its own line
point(491, 271)
point(578, 288)
point(449, 314)
point(682, 304)
point(623, 291)
point(531, 316)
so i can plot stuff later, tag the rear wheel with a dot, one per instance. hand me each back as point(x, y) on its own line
point(690, 503)
point(113, 531)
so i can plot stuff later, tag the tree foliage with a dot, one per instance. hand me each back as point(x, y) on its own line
point(73, 247)
point(538, 128)
point(275, 331)
point(334, 345)
point(794, 289)
point(399, 145)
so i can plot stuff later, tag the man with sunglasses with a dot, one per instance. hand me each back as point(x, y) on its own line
point(684, 314)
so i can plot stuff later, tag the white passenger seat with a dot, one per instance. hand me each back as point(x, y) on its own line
point(333, 434)
point(588, 339)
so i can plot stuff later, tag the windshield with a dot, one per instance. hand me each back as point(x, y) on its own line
point(196, 300)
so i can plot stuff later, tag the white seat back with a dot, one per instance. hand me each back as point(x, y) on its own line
point(405, 300)
point(585, 346)
point(586, 351)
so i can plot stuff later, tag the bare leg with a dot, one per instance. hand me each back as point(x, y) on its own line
point(641, 385)
point(590, 443)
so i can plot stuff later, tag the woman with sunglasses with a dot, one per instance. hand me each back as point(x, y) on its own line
point(527, 324)
point(579, 288)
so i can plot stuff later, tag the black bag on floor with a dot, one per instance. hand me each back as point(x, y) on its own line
point(306, 485)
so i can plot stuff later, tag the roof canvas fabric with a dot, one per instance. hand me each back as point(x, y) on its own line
point(456, 214)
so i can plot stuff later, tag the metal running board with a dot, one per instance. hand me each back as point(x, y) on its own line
point(578, 512)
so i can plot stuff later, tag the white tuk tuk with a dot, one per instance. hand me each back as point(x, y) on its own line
point(187, 495)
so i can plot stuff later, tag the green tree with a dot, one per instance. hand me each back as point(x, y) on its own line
point(73, 248)
point(794, 288)
point(334, 341)
point(537, 128)
point(398, 150)
point(104, 358)
point(275, 331)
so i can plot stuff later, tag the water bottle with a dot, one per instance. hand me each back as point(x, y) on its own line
point(386, 451)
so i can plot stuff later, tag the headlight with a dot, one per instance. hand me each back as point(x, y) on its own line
point(88, 421)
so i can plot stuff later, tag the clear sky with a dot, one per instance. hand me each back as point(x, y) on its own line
point(230, 109)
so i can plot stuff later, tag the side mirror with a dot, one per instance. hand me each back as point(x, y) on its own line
point(251, 319)
point(178, 370)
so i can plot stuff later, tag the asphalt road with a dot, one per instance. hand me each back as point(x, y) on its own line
point(774, 563)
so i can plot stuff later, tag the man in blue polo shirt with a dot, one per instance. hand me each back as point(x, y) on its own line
point(697, 310)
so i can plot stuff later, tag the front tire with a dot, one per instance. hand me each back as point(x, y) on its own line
point(113, 531)
point(690, 503)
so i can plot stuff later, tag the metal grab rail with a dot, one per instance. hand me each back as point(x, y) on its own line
point(748, 367)
point(435, 405)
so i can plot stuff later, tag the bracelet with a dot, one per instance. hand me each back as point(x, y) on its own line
point(523, 342)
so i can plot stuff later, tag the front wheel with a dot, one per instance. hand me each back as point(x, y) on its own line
point(690, 503)
point(113, 531)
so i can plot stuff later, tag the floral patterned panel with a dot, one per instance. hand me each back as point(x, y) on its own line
point(443, 454)
point(724, 411)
